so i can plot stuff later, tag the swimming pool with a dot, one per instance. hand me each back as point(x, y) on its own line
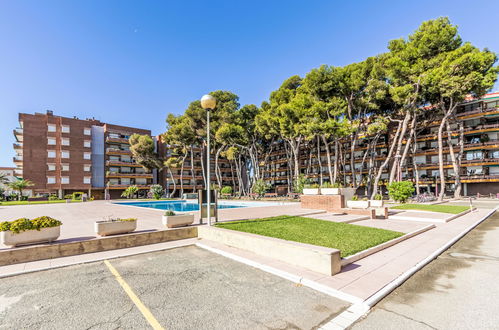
point(189, 206)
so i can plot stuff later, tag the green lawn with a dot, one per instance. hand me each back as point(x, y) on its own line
point(443, 208)
point(347, 238)
point(34, 202)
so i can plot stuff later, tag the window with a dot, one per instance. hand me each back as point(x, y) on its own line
point(87, 131)
point(65, 128)
point(64, 154)
point(65, 141)
point(65, 179)
point(65, 167)
point(51, 167)
point(86, 168)
point(51, 179)
point(87, 155)
point(87, 179)
point(51, 141)
point(86, 144)
point(51, 154)
point(51, 127)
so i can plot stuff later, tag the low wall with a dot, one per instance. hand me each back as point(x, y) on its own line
point(56, 250)
point(316, 258)
point(322, 202)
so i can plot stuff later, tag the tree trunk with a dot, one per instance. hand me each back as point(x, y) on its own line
point(336, 160)
point(173, 180)
point(455, 166)
point(328, 155)
point(396, 163)
point(388, 157)
point(194, 180)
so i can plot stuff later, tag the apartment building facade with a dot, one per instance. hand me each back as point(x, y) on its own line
point(63, 155)
point(189, 176)
point(479, 169)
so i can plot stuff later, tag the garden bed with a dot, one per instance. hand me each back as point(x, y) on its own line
point(442, 208)
point(347, 238)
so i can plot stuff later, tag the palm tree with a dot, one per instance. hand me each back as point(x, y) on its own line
point(20, 185)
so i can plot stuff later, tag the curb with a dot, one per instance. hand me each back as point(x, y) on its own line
point(121, 255)
point(288, 276)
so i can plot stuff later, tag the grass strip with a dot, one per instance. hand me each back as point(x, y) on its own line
point(442, 208)
point(347, 238)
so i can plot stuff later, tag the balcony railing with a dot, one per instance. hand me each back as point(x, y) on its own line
point(118, 151)
point(18, 158)
point(117, 140)
point(124, 186)
point(129, 175)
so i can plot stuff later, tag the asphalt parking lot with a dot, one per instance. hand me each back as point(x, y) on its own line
point(182, 288)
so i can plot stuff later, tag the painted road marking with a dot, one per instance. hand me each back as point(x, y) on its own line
point(142, 308)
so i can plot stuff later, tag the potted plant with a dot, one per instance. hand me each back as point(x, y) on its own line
point(172, 220)
point(311, 189)
point(25, 231)
point(377, 201)
point(330, 189)
point(113, 226)
point(355, 203)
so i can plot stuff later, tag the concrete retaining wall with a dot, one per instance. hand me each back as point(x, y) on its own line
point(316, 258)
point(56, 250)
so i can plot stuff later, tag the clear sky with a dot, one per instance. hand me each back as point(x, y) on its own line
point(132, 62)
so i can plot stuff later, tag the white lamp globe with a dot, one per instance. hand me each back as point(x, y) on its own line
point(208, 102)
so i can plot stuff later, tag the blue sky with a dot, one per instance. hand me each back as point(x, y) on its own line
point(132, 62)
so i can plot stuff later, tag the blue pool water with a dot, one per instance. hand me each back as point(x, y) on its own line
point(178, 206)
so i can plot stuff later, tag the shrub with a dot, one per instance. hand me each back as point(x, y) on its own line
point(400, 191)
point(260, 187)
point(227, 190)
point(299, 183)
point(311, 186)
point(76, 196)
point(45, 222)
point(156, 191)
point(23, 224)
point(169, 213)
point(378, 197)
point(53, 198)
point(68, 196)
point(327, 185)
point(365, 199)
point(355, 198)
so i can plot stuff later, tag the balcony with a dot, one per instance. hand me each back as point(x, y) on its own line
point(18, 146)
point(18, 172)
point(128, 175)
point(18, 133)
point(18, 159)
point(124, 186)
point(121, 163)
point(116, 140)
point(116, 151)
point(479, 178)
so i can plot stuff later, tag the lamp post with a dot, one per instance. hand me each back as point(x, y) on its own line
point(208, 103)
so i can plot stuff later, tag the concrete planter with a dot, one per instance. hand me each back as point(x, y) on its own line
point(30, 236)
point(330, 191)
point(311, 191)
point(348, 193)
point(173, 221)
point(376, 203)
point(105, 228)
point(358, 204)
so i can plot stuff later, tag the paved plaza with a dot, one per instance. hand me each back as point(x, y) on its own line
point(78, 218)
